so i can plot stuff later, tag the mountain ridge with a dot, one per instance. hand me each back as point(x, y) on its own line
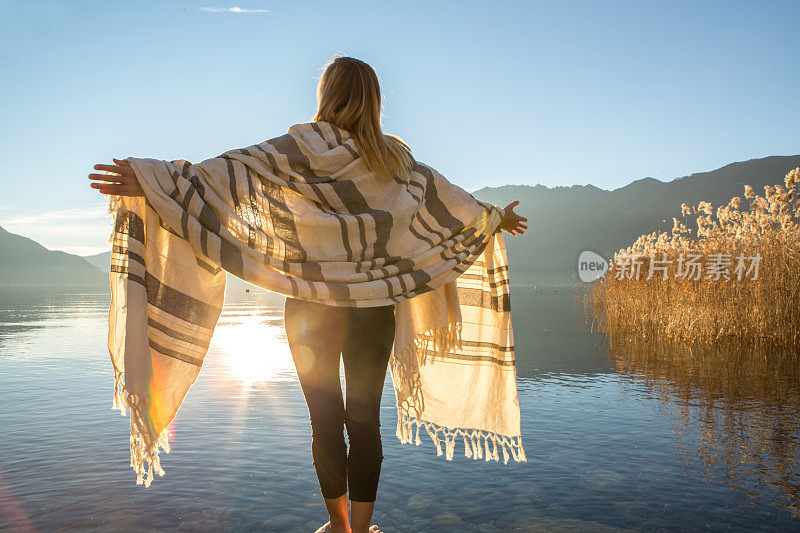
point(26, 263)
point(727, 166)
point(562, 223)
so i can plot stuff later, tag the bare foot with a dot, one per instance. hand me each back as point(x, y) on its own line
point(328, 528)
point(374, 529)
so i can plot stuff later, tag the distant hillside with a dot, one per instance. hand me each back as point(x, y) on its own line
point(101, 260)
point(563, 221)
point(26, 263)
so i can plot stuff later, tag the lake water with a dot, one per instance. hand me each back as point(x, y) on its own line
point(614, 440)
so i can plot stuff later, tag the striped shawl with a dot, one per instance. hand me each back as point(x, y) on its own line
point(300, 215)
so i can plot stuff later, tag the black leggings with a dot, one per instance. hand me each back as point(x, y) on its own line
point(317, 335)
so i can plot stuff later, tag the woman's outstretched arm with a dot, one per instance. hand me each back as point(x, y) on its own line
point(123, 182)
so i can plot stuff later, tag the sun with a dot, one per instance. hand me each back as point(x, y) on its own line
point(254, 349)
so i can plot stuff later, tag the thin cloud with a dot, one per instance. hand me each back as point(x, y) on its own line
point(84, 238)
point(84, 250)
point(62, 229)
point(62, 214)
point(232, 9)
point(76, 231)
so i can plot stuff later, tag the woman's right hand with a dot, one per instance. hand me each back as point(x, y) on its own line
point(512, 222)
point(123, 182)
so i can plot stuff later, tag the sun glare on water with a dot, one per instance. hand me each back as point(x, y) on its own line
point(254, 349)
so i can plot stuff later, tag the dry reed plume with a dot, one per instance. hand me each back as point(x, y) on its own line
point(735, 280)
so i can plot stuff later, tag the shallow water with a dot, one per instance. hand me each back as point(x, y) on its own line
point(614, 440)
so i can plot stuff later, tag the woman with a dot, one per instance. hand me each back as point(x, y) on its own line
point(319, 335)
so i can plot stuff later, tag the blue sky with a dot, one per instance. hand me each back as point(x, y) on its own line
point(556, 93)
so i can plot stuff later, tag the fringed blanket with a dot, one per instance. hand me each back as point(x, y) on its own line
point(301, 215)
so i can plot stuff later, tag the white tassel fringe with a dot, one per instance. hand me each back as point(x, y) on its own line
point(144, 447)
point(472, 448)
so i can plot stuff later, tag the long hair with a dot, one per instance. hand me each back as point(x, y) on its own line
point(349, 96)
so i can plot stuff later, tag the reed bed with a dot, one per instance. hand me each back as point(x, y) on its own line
point(732, 279)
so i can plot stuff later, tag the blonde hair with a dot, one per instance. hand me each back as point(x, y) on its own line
point(349, 96)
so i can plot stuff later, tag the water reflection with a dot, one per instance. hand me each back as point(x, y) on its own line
point(735, 413)
point(613, 442)
point(254, 345)
point(551, 337)
point(23, 310)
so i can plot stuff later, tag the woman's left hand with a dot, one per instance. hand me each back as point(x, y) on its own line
point(122, 182)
